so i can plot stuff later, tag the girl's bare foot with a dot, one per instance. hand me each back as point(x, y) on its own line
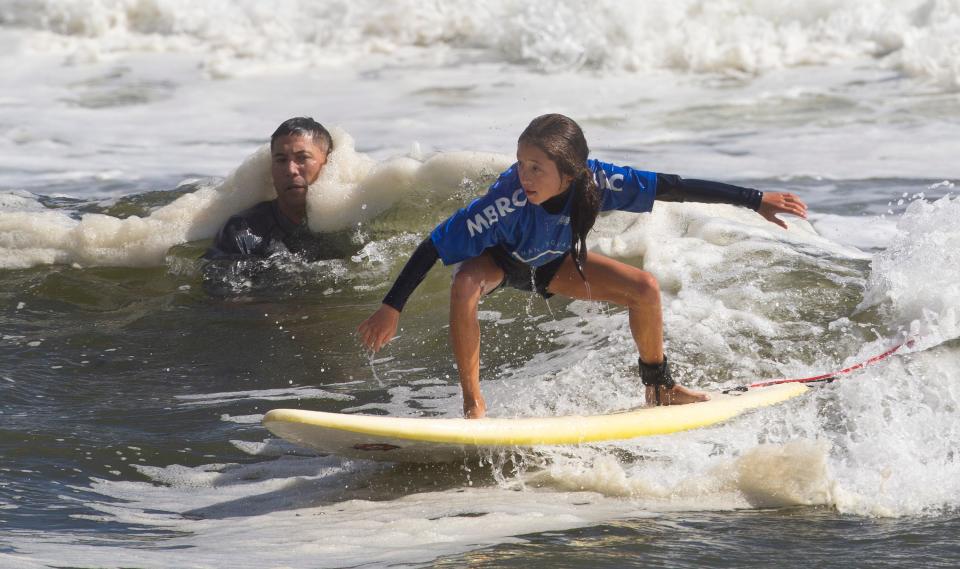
point(677, 395)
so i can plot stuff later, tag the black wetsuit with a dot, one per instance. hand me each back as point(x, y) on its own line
point(263, 231)
point(669, 187)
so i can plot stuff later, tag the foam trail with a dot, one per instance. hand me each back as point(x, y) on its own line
point(769, 475)
point(229, 511)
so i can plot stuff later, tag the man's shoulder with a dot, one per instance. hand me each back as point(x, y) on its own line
point(244, 232)
point(260, 216)
point(262, 209)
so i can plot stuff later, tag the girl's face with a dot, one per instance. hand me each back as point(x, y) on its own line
point(539, 175)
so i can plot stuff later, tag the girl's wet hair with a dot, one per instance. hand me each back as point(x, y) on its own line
point(562, 140)
point(303, 126)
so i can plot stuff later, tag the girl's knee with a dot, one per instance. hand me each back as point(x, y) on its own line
point(645, 288)
point(467, 287)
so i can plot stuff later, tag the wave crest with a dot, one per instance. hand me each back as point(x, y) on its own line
point(738, 37)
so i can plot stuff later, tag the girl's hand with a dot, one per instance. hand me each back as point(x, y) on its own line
point(773, 203)
point(376, 331)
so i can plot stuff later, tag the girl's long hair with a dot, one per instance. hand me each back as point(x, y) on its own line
point(562, 140)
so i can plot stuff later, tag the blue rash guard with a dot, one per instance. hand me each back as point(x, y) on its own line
point(528, 232)
point(521, 233)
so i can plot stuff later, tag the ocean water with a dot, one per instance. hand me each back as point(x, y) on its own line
point(131, 399)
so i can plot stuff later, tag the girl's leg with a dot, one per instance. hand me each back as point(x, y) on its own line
point(474, 278)
point(609, 280)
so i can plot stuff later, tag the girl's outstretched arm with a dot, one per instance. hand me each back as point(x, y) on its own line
point(671, 187)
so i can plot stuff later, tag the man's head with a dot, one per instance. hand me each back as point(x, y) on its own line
point(299, 149)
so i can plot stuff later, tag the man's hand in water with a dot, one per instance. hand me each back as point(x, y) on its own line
point(376, 331)
point(781, 202)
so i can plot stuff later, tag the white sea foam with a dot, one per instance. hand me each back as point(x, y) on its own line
point(262, 394)
point(862, 232)
point(351, 189)
point(876, 444)
point(231, 511)
point(126, 96)
point(917, 278)
point(893, 444)
point(767, 475)
point(733, 37)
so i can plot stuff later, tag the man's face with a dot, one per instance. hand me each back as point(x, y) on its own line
point(297, 162)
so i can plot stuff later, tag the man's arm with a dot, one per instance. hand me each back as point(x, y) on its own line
point(234, 240)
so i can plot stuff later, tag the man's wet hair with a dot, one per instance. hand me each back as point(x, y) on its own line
point(304, 126)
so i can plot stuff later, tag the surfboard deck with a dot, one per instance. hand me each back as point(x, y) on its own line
point(415, 439)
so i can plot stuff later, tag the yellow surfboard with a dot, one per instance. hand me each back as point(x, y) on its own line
point(412, 439)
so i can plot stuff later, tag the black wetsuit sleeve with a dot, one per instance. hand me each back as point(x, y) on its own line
point(412, 274)
point(673, 188)
point(235, 239)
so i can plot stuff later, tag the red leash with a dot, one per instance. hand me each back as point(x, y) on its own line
point(830, 376)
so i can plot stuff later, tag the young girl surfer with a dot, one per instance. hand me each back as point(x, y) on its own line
point(529, 232)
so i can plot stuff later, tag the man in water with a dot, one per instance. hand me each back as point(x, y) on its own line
point(299, 150)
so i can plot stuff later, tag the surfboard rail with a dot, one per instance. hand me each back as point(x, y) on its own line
point(329, 431)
